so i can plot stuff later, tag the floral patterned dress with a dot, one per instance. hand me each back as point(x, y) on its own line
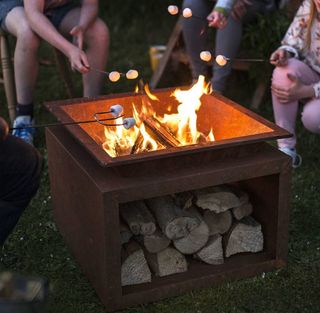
point(295, 40)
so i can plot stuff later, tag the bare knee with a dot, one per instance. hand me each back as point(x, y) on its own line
point(98, 34)
point(311, 116)
point(27, 38)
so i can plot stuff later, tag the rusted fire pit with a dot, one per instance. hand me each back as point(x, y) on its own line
point(88, 185)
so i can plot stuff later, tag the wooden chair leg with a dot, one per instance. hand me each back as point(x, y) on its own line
point(8, 76)
point(259, 94)
point(65, 72)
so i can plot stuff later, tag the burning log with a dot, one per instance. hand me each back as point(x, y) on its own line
point(212, 252)
point(218, 223)
point(125, 233)
point(167, 262)
point(156, 242)
point(197, 237)
point(216, 199)
point(138, 218)
point(161, 132)
point(174, 222)
point(244, 236)
point(134, 268)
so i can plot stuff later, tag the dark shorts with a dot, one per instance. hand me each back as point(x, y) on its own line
point(54, 15)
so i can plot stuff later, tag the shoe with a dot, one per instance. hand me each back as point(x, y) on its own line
point(25, 134)
point(296, 158)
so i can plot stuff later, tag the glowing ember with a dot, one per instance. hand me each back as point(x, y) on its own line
point(173, 9)
point(138, 135)
point(114, 76)
point(132, 74)
point(221, 60)
point(205, 56)
point(187, 13)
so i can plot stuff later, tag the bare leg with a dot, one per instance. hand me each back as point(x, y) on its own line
point(25, 55)
point(97, 42)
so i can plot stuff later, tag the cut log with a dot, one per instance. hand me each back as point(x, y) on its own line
point(174, 222)
point(138, 218)
point(167, 262)
point(125, 233)
point(218, 223)
point(134, 268)
point(243, 210)
point(162, 134)
point(212, 252)
point(183, 199)
point(156, 242)
point(217, 201)
point(244, 236)
point(196, 239)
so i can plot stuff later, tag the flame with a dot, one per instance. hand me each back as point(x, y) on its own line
point(182, 125)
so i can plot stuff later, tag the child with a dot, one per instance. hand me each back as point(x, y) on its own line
point(297, 76)
point(53, 21)
point(228, 16)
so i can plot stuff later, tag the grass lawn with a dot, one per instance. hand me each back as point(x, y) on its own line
point(36, 247)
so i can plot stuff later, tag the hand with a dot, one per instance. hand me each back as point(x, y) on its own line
point(296, 91)
point(4, 129)
point(78, 60)
point(280, 57)
point(216, 19)
point(77, 33)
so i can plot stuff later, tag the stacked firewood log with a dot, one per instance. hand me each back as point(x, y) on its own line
point(209, 225)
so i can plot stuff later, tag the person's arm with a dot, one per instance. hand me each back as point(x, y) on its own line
point(4, 129)
point(44, 28)
point(295, 39)
point(89, 12)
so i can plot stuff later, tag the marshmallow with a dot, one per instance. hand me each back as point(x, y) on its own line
point(187, 13)
point(129, 122)
point(173, 9)
point(205, 56)
point(221, 60)
point(114, 76)
point(116, 110)
point(132, 74)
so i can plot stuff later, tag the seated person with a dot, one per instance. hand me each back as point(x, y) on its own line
point(20, 167)
point(53, 21)
point(297, 76)
point(228, 16)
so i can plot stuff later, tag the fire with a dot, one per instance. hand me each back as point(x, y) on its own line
point(182, 125)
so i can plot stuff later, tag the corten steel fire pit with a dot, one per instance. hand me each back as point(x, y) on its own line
point(88, 185)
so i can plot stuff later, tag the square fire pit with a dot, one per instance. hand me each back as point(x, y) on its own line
point(88, 186)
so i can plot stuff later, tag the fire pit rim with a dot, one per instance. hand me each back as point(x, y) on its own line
point(105, 160)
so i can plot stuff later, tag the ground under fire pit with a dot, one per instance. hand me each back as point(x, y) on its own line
point(89, 187)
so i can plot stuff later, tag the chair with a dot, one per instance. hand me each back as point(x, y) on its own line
point(8, 75)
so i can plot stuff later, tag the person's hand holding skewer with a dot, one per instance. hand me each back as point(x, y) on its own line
point(217, 19)
point(77, 56)
point(297, 90)
point(280, 57)
point(4, 129)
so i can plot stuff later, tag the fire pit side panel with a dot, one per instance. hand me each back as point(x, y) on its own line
point(79, 211)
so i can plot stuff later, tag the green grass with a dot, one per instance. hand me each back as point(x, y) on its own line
point(36, 247)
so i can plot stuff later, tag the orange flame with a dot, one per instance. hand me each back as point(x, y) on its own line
point(183, 124)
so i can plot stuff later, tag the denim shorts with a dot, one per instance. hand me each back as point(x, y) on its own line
point(55, 15)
